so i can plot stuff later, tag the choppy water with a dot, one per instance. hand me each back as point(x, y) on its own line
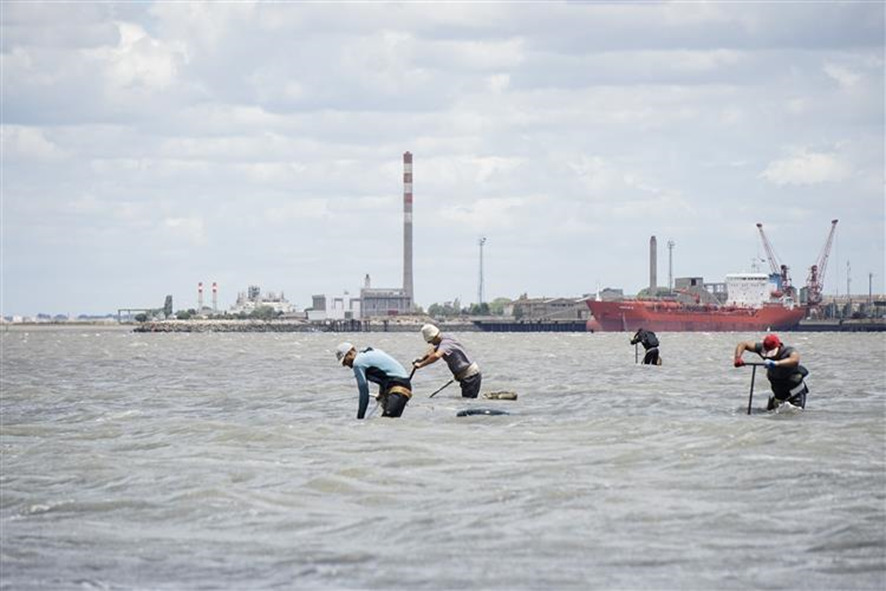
point(205, 461)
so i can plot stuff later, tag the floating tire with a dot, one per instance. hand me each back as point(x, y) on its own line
point(469, 412)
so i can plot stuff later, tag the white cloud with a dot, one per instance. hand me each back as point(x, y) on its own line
point(845, 76)
point(807, 168)
point(382, 62)
point(304, 209)
point(236, 132)
point(141, 61)
point(204, 26)
point(21, 142)
point(487, 214)
point(189, 230)
point(499, 83)
point(797, 106)
point(485, 55)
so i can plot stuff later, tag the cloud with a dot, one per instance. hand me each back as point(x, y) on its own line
point(845, 76)
point(305, 209)
point(188, 230)
point(29, 143)
point(242, 132)
point(490, 214)
point(141, 61)
point(807, 168)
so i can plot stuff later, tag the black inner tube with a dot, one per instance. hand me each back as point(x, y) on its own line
point(480, 411)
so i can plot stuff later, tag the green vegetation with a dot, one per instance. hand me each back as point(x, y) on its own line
point(479, 309)
point(264, 313)
point(447, 310)
point(497, 307)
point(454, 309)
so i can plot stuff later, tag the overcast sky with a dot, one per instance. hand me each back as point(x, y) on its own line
point(150, 146)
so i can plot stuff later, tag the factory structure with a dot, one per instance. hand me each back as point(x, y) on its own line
point(376, 301)
point(342, 310)
point(253, 299)
point(372, 301)
point(201, 308)
point(394, 301)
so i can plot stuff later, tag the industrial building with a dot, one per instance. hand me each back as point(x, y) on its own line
point(394, 301)
point(341, 307)
point(549, 309)
point(376, 301)
point(253, 299)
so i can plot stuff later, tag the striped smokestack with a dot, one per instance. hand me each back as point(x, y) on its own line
point(407, 226)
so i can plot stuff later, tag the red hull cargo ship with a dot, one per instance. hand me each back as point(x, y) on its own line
point(748, 308)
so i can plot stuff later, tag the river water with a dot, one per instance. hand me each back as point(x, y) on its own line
point(234, 461)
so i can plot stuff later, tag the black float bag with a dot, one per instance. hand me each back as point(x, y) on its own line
point(650, 340)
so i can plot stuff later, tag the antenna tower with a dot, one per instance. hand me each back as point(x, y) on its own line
point(481, 242)
point(671, 244)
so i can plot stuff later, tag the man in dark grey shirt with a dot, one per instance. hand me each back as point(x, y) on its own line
point(465, 371)
point(649, 341)
point(782, 368)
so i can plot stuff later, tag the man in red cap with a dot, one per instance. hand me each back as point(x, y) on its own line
point(782, 368)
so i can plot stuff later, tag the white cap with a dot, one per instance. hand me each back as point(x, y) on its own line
point(342, 350)
point(429, 332)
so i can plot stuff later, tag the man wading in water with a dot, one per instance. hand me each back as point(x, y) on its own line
point(376, 366)
point(466, 372)
point(649, 341)
point(782, 368)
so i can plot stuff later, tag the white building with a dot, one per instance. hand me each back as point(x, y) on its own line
point(342, 307)
point(253, 298)
point(747, 289)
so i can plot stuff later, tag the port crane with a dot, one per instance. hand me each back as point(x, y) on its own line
point(815, 280)
point(778, 269)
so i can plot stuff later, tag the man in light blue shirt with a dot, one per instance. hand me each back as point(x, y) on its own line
point(376, 366)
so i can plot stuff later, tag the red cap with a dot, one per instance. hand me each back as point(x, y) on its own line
point(771, 342)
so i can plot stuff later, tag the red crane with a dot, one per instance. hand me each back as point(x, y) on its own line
point(815, 281)
point(777, 268)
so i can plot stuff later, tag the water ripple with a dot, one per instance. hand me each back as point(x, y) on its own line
point(234, 461)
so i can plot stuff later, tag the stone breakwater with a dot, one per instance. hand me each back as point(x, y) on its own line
point(383, 325)
point(225, 326)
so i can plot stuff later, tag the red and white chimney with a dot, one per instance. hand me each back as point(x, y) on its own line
point(200, 296)
point(407, 226)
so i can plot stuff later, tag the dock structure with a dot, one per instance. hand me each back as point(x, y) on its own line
point(847, 325)
point(533, 326)
point(347, 325)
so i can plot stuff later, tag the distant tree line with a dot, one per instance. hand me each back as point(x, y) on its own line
point(454, 309)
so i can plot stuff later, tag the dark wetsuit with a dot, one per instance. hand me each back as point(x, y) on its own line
point(394, 387)
point(786, 382)
point(649, 341)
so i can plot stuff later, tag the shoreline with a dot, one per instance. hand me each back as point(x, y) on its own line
point(385, 325)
